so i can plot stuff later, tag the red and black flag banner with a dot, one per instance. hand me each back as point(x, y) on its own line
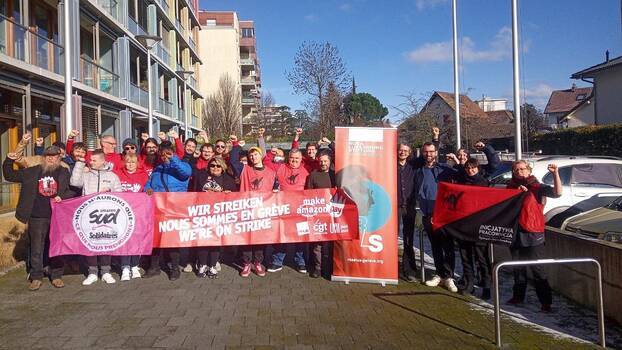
point(473, 213)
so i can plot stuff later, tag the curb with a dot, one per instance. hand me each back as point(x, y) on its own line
point(5, 270)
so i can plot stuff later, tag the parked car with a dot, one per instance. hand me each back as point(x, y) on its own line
point(597, 201)
point(582, 177)
point(602, 223)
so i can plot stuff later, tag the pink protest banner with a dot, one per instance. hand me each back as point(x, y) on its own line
point(102, 224)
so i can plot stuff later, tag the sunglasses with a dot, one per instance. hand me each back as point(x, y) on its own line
point(220, 146)
point(127, 148)
point(213, 165)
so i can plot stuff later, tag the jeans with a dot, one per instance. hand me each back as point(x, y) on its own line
point(279, 254)
point(481, 252)
point(442, 250)
point(129, 260)
point(38, 231)
point(158, 254)
point(408, 235)
point(103, 261)
point(208, 255)
point(252, 254)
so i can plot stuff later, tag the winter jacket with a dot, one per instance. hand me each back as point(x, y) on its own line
point(425, 188)
point(29, 178)
point(132, 182)
point(171, 177)
point(94, 181)
point(205, 182)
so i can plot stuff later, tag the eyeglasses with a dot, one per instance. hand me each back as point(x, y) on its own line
point(127, 148)
point(220, 146)
point(214, 165)
point(110, 143)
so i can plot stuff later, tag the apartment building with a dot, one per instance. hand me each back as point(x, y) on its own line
point(228, 46)
point(109, 69)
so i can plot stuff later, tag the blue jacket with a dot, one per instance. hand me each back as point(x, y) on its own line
point(426, 194)
point(171, 177)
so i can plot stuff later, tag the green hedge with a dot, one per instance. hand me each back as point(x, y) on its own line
point(603, 140)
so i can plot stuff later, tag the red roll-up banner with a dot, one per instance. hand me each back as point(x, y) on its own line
point(366, 169)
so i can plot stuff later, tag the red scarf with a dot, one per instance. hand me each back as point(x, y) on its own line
point(532, 213)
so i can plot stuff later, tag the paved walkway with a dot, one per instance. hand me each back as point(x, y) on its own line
point(283, 310)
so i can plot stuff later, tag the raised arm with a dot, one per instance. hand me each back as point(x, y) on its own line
point(234, 155)
point(9, 173)
point(295, 142)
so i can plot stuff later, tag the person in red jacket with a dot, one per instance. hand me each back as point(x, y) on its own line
point(133, 179)
point(309, 159)
point(529, 241)
point(291, 177)
point(258, 178)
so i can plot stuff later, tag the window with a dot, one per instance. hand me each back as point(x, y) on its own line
point(248, 32)
point(210, 22)
point(564, 174)
point(597, 174)
point(581, 97)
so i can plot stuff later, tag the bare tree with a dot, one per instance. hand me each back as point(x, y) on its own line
point(315, 67)
point(222, 112)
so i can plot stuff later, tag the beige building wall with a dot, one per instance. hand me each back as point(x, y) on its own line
point(220, 52)
point(582, 116)
point(608, 85)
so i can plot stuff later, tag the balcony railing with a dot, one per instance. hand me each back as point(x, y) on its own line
point(164, 5)
point(22, 44)
point(111, 6)
point(248, 80)
point(195, 121)
point(98, 77)
point(163, 53)
point(139, 96)
point(179, 26)
point(180, 114)
point(134, 27)
point(180, 67)
point(192, 82)
point(248, 100)
point(165, 107)
point(247, 62)
point(192, 43)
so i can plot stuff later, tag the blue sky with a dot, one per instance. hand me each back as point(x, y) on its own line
point(394, 48)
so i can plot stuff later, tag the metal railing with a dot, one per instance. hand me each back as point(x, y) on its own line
point(247, 62)
point(164, 5)
point(18, 42)
point(139, 96)
point(193, 45)
point(134, 27)
point(179, 27)
point(165, 107)
point(111, 6)
point(195, 121)
point(248, 80)
point(180, 114)
point(163, 53)
point(495, 280)
point(192, 82)
point(96, 76)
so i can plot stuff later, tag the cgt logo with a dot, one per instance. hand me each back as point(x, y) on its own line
point(104, 222)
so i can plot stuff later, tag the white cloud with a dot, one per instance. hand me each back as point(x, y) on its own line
point(311, 18)
point(345, 7)
point(499, 48)
point(538, 95)
point(428, 4)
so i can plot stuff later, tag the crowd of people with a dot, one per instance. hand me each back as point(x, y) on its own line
point(167, 164)
point(63, 171)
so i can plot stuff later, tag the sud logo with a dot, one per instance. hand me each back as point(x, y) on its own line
point(104, 222)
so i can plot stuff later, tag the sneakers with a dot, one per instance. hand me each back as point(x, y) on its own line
point(90, 279)
point(135, 272)
point(58, 283)
point(34, 285)
point(259, 269)
point(434, 282)
point(315, 274)
point(108, 278)
point(188, 268)
point(218, 267)
point(246, 270)
point(450, 285)
point(212, 272)
point(202, 271)
point(301, 269)
point(174, 274)
point(125, 274)
point(274, 268)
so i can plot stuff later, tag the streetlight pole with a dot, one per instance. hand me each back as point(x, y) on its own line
point(517, 117)
point(68, 79)
point(456, 74)
point(185, 75)
point(149, 41)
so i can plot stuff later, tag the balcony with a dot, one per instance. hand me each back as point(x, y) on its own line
point(98, 77)
point(165, 107)
point(111, 6)
point(164, 5)
point(195, 121)
point(134, 27)
point(18, 42)
point(163, 53)
point(247, 62)
point(247, 42)
point(139, 96)
point(179, 27)
point(248, 100)
point(248, 80)
point(192, 82)
point(193, 45)
point(180, 114)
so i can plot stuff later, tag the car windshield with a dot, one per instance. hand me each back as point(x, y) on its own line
point(616, 205)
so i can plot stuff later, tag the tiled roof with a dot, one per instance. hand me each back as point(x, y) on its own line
point(468, 108)
point(500, 117)
point(589, 72)
point(563, 101)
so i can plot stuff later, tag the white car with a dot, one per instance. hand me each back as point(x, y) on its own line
point(582, 177)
